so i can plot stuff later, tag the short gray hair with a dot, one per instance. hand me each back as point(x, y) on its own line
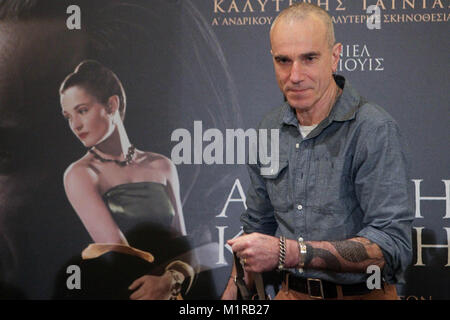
point(303, 10)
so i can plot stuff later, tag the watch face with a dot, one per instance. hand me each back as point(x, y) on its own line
point(302, 248)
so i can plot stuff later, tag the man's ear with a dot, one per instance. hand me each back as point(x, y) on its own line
point(335, 55)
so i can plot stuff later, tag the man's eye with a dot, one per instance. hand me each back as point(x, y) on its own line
point(282, 60)
point(82, 111)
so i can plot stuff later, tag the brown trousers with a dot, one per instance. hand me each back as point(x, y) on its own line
point(388, 292)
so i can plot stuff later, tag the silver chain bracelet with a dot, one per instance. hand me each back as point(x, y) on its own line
point(282, 257)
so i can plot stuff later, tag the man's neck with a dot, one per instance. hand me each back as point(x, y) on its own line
point(321, 109)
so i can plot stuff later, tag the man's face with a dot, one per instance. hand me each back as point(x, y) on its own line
point(303, 61)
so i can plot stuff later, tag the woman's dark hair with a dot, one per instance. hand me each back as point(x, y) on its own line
point(98, 81)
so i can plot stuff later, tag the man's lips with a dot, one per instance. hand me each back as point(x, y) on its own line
point(297, 90)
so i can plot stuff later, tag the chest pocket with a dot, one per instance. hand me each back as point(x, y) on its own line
point(277, 184)
point(334, 184)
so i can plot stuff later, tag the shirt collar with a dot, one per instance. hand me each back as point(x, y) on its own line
point(343, 110)
point(346, 106)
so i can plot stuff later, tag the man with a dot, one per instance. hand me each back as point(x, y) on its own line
point(339, 201)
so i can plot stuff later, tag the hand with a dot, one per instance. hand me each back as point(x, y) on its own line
point(151, 287)
point(259, 251)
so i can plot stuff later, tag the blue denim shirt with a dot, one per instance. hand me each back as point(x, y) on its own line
point(348, 178)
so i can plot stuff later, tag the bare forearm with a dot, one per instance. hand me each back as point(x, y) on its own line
point(352, 255)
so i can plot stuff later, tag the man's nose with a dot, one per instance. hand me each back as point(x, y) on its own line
point(297, 72)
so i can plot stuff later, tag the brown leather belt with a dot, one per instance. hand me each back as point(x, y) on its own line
point(322, 289)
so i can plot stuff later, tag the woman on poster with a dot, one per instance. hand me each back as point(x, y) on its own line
point(127, 199)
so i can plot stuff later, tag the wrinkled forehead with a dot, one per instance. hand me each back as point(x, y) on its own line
point(299, 31)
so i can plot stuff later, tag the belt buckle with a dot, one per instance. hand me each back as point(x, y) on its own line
point(308, 285)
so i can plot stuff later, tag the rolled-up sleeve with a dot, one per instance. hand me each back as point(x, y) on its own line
point(259, 215)
point(383, 190)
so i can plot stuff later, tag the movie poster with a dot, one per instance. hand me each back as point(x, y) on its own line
point(167, 83)
point(196, 76)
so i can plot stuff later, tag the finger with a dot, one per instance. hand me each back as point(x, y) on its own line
point(239, 245)
point(230, 242)
point(136, 283)
point(144, 297)
point(138, 294)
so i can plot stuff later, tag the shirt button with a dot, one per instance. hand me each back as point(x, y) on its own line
point(297, 145)
point(299, 207)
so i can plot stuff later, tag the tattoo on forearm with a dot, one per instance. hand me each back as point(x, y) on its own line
point(343, 256)
point(329, 261)
point(351, 250)
point(309, 254)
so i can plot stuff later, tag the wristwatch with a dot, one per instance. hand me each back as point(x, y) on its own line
point(302, 254)
point(177, 282)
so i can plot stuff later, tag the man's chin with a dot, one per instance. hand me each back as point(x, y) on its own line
point(298, 100)
point(299, 104)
